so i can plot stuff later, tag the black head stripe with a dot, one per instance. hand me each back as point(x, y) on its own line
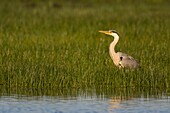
point(113, 31)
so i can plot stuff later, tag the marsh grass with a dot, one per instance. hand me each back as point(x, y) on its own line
point(52, 44)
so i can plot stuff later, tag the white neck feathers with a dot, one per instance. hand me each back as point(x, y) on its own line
point(113, 44)
point(112, 49)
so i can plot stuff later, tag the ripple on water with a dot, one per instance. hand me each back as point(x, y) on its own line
point(12, 104)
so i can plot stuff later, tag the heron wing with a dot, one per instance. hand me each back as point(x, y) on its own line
point(127, 61)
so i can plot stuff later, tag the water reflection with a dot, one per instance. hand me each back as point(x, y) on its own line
point(89, 100)
point(115, 103)
point(45, 104)
point(99, 92)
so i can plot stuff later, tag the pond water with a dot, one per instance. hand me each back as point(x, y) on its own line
point(84, 103)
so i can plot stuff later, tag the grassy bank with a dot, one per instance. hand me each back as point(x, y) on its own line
point(57, 44)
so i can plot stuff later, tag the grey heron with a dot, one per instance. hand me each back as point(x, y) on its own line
point(120, 59)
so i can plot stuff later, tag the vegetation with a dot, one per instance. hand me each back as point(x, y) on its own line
point(56, 44)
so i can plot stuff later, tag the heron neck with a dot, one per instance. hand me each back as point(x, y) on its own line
point(113, 44)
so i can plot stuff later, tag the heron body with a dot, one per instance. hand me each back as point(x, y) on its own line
point(120, 59)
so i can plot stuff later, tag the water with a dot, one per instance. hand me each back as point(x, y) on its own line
point(85, 103)
point(45, 104)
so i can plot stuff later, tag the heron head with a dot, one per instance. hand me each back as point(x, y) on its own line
point(109, 32)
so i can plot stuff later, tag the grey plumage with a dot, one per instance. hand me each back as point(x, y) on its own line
point(127, 61)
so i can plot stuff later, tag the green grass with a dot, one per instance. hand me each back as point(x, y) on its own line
point(57, 44)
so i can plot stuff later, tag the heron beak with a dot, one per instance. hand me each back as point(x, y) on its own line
point(105, 32)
